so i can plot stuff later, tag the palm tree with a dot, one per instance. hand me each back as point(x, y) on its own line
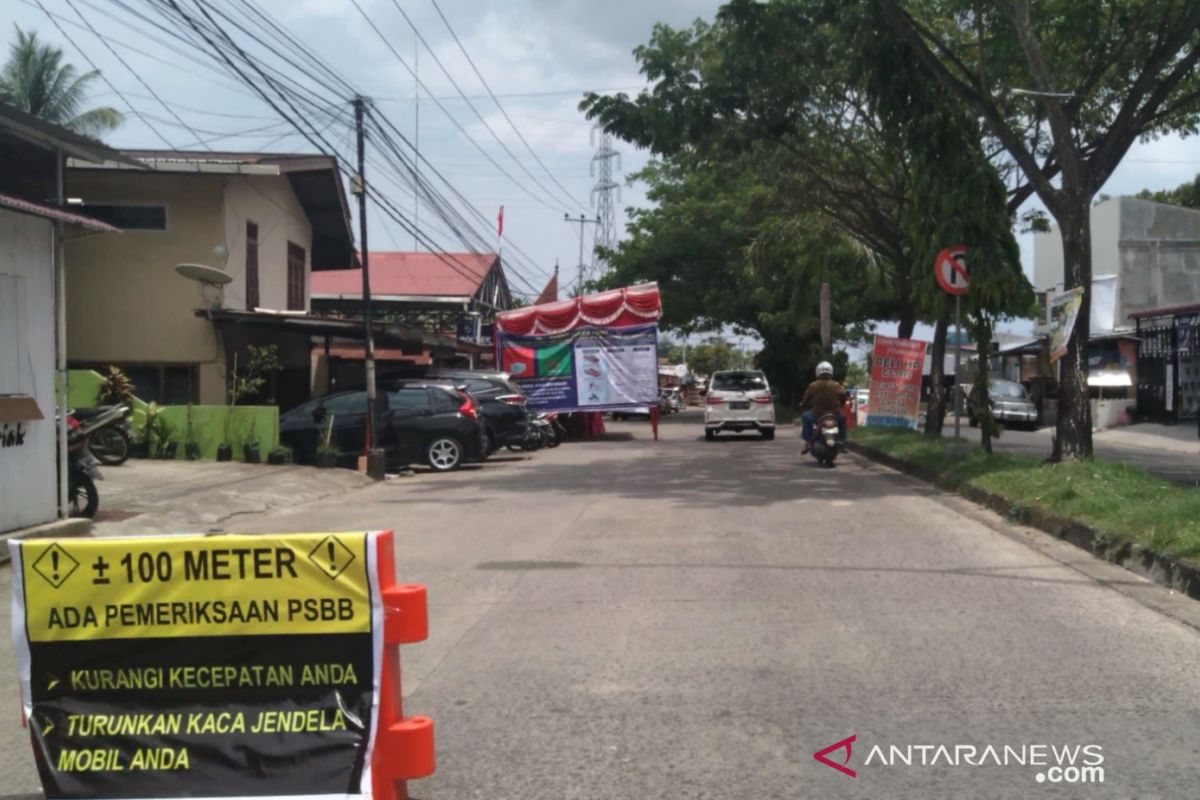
point(36, 80)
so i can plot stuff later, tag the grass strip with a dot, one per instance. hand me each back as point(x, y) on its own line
point(1122, 503)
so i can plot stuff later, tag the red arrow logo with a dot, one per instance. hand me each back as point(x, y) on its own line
point(833, 748)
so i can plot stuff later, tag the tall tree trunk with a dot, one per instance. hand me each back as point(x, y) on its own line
point(826, 318)
point(935, 412)
point(1073, 429)
point(908, 321)
point(981, 331)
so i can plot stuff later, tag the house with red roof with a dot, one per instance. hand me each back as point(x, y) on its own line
point(452, 295)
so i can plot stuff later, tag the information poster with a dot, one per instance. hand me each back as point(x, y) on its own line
point(895, 382)
point(585, 369)
point(199, 666)
point(1064, 310)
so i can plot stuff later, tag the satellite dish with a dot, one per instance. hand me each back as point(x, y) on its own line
point(204, 274)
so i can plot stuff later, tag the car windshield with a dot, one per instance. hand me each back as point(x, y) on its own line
point(739, 382)
point(1007, 390)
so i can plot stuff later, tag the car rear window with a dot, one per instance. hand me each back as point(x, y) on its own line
point(1008, 390)
point(739, 382)
point(444, 399)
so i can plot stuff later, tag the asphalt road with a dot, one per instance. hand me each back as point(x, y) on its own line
point(634, 620)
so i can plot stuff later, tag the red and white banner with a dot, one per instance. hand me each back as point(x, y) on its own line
point(896, 382)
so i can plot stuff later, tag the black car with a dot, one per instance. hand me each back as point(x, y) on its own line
point(418, 422)
point(501, 403)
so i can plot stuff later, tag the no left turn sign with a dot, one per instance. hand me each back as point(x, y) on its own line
point(950, 269)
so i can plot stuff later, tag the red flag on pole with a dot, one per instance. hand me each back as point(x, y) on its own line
point(500, 222)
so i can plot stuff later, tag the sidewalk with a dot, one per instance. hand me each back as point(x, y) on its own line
point(1168, 451)
point(148, 496)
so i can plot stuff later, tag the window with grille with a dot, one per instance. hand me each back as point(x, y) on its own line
point(252, 296)
point(295, 277)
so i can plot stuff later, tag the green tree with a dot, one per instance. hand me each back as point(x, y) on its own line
point(1063, 89)
point(715, 354)
point(1186, 194)
point(35, 80)
point(703, 241)
point(773, 80)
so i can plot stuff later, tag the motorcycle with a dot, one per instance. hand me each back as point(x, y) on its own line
point(82, 472)
point(552, 430)
point(825, 442)
point(107, 432)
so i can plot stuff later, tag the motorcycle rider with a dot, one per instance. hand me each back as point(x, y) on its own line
point(823, 396)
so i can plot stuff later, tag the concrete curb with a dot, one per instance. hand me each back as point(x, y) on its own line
point(1176, 574)
point(60, 528)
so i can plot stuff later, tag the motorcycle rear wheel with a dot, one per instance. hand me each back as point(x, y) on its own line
point(110, 446)
point(82, 497)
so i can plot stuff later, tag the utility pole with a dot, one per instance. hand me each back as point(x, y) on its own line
point(416, 140)
point(581, 222)
point(374, 458)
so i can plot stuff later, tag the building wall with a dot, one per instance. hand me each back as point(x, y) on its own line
point(125, 302)
point(28, 473)
point(271, 203)
point(1048, 264)
point(1159, 256)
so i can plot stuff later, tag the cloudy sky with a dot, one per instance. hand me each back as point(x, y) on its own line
point(537, 56)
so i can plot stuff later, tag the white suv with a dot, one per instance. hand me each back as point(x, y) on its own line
point(739, 400)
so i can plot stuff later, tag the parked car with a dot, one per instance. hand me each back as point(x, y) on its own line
point(1010, 404)
point(418, 422)
point(501, 404)
point(739, 400)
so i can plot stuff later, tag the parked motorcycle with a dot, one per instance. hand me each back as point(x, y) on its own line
point(548, 429)
point(107, 432)
point(825, 441)
point(83, 471)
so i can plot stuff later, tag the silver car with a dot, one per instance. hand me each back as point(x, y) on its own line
point(1010, 405)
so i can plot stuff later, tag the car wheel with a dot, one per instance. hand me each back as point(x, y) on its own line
point(768, 433)
point(710, 434)
point(444, 454)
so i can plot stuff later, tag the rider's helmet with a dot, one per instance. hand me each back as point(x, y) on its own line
point(825, 368)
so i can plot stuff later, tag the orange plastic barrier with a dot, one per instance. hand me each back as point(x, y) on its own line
point(403, 745)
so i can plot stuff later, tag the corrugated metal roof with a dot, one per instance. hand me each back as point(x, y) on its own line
point(50, 212)
point(409, 274)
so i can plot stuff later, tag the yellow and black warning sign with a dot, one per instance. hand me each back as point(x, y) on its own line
point(244, 664)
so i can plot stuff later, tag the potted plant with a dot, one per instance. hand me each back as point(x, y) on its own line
point(191, 448)
point(251, 453)
point(280, 455)
point(246, 383)
point(116, 388)
point(151, 424)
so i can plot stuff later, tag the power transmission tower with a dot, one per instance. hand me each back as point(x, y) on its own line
point(602, 196)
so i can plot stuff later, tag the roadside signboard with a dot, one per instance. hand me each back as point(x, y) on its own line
point(200, 666)
point(591, 353)
point(950, 269)
point(1064, 310)
point(896, 366)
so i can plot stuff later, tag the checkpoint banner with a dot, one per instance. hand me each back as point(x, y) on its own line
point(223, 666)
point(896, 366)
point(587, 369)
point(590, 353)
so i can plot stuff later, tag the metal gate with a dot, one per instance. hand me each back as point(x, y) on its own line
point(1187, 332)
point(1168, 368)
